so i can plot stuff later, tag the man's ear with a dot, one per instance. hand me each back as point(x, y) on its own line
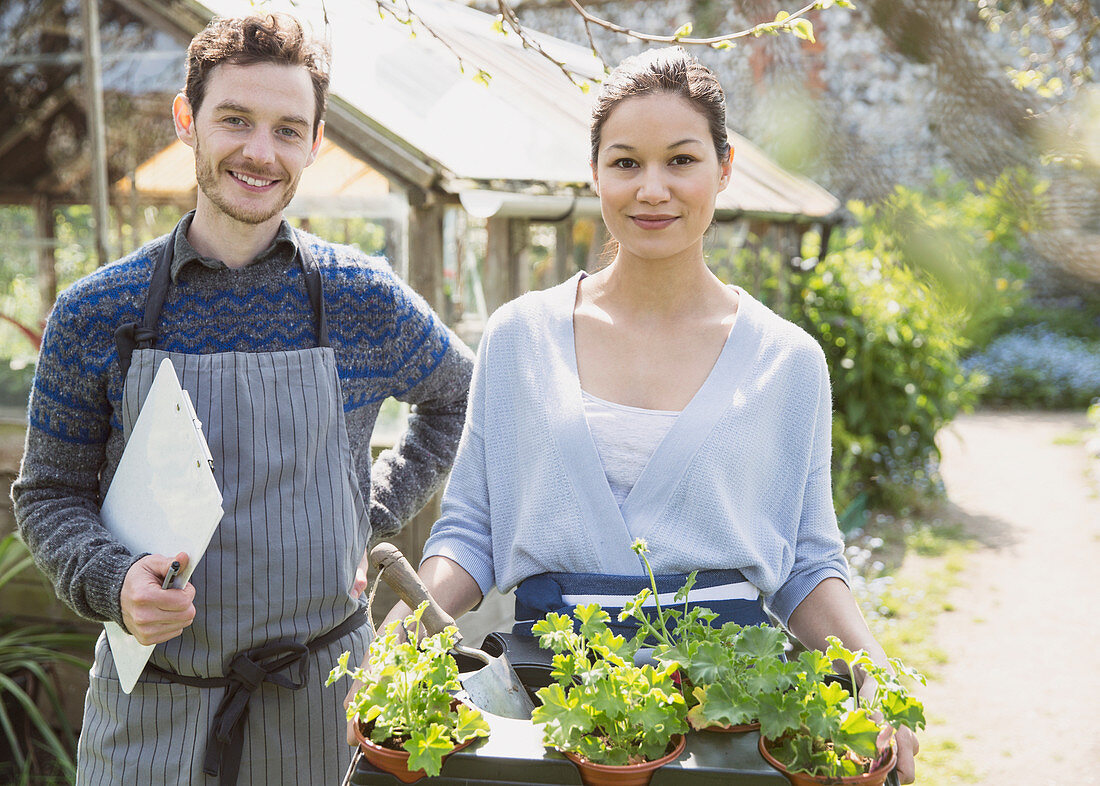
point(183, 119)
point(316, 143)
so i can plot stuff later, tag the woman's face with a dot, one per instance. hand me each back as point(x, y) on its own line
point(657, 175)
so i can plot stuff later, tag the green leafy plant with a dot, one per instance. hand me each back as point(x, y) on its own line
point(893, 347)
point(723, 671)
point(405, 701)
point(602, 706)
point(817, 726)
point(28, 655)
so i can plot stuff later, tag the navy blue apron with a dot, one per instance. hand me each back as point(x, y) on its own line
point(726, 592)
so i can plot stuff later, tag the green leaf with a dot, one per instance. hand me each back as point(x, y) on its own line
point(760, 642)
point(902, 710)
point(592, 618)
point(555, 632)
point(722, 705)
point(498, 25)
point(708, 663)
point(471, 723)
point(563, 717)
point(427, 748)
point(858, 733)
point(683, 31)
point(815, 665)
point(779, 714)
point(633, 608)
point(610, 703)
point(804, 29)
point(483, 77)
point(684, 591)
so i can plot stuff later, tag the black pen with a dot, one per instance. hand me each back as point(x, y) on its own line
point(170, 576)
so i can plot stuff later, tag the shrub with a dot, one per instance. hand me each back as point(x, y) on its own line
point(965, 240)
point(893, 351)
point(1037, 367)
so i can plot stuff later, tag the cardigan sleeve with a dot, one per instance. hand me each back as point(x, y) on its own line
point(463, 531)
point(819, 547)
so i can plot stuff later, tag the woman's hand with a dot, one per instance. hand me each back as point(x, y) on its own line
point(830, 610)
point(908, 746)
point(906, 739)
point(452, 587)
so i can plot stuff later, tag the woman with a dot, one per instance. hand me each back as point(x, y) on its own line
point(650, 400)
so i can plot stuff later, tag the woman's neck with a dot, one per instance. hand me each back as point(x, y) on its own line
point(660, 289)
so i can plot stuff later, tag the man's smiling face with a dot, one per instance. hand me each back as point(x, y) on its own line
point(252, 137)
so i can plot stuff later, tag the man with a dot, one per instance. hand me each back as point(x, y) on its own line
point(287, 346)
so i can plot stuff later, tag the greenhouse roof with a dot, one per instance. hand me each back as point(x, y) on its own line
point(526, 130)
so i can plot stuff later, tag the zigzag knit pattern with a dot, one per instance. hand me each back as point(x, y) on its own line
point(386, 340)
point(383, 335)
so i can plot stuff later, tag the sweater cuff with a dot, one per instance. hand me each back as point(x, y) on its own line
point(470, 560)
point(108, 600)
point(794, 591)
point(383, 524)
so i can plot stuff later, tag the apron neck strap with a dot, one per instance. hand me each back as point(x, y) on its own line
point(143, 335)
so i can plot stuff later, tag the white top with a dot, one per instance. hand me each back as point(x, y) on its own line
point(625, 438)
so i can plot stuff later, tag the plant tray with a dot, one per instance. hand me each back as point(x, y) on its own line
point(513, 753)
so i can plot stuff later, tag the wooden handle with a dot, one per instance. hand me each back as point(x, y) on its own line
point(398, 573)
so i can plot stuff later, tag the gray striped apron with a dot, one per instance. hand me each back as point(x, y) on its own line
point(275, 578)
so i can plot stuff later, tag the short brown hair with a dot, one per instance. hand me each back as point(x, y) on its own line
point(270, 38)
point(670, 70)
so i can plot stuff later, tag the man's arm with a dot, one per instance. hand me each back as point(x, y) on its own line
point(56, 495)
point(403, 479)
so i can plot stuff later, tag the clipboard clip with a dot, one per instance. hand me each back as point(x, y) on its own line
point(198, 427)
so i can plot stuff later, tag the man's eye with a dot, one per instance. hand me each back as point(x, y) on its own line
point(289, 132)
point(233, 121)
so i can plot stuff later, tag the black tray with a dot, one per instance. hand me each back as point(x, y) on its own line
point(513, 753)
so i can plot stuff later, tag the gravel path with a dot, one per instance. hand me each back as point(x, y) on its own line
point(1021, 691)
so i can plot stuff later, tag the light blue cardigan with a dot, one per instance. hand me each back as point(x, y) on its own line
point(740, 481)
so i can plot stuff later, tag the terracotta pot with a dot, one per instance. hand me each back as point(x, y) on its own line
point(395, 762)
point(624, 774)
point(875, 777)
point(736, 728)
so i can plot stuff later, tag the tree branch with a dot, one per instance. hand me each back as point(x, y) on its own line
point(508, 21)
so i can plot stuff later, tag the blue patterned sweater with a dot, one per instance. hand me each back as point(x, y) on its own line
point(386, 340)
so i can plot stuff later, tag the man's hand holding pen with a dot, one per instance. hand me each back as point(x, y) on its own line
point(151, 612)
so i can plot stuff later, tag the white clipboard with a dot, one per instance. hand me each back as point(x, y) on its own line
point(163, 498)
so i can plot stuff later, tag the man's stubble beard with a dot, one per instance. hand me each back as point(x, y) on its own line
point(207, 178)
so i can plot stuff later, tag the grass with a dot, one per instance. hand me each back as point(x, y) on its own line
point(940, 762)
point(1072, 438)
point(919, 563)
